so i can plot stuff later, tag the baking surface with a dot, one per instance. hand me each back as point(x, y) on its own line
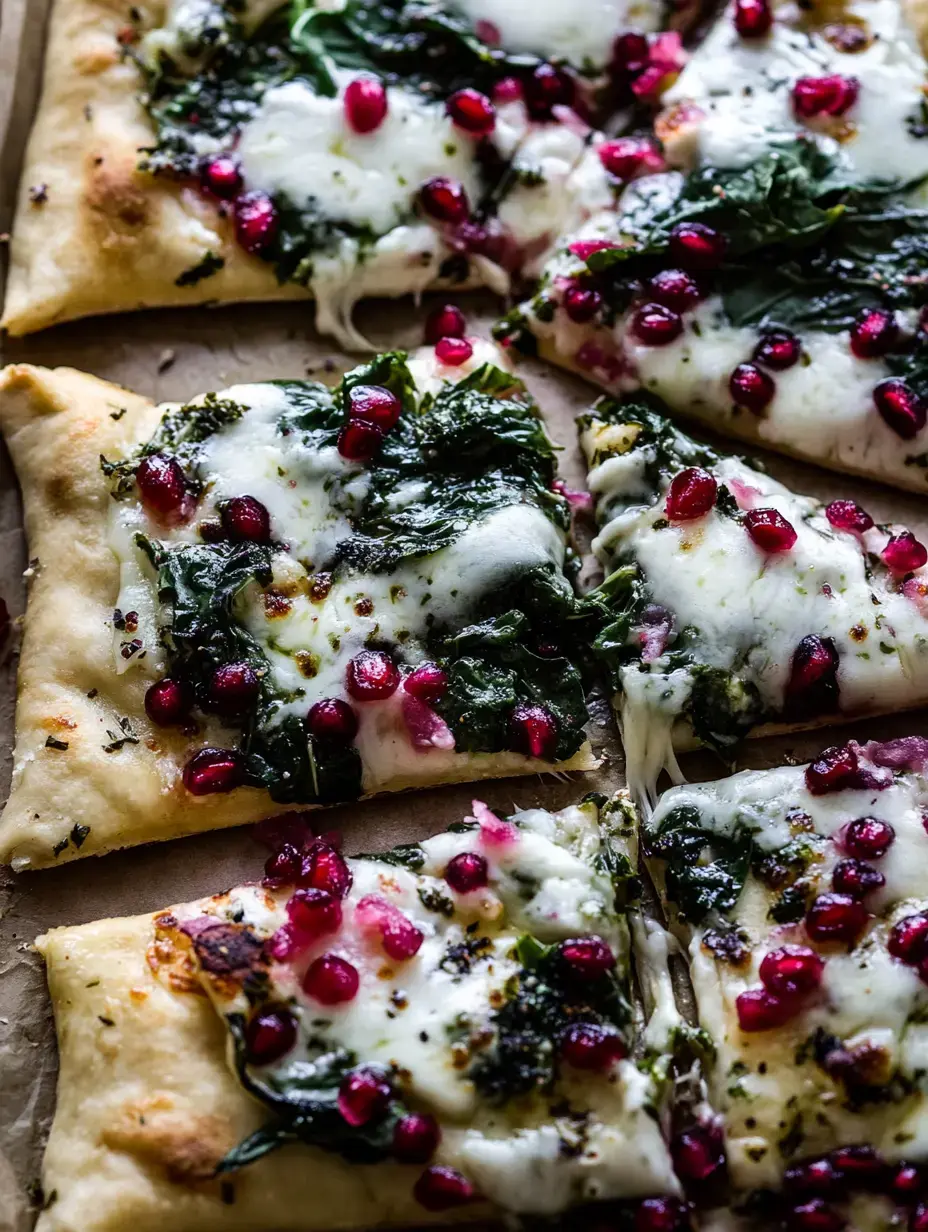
point(173, 355)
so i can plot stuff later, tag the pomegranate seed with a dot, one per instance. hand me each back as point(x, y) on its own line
point(364, 1097)
point(770, 530)
point(908, 939)
point(256, 222)
point(371, 676)
point(234, 688)
point(906, 1183)
point(836, 917)
point(365, 104)
point(283, 867)
point(445, 322)
point(674, 289)
point(330, 980)
point(856, 878)
point(212, 770)
point(661, 1215)
point(326, 869)
point(587, 1045)
point(816, 96)
point(222, 177)
point(359, 441)
point(873, 333)
point(656, 325)
point(269, 1035)
point(546, 88)
point(903, 553)
point(444, 199)
point(625, 157)
point(332, 719)
point(533, 731)
point(439, 1188)
point(162, 486)
point(868, 838)
point(507, 90)
point(778, 350)
point(816, 1176)
point(314, 913)
point(813, 682)
point(587, 958)
point(428, 683)
point(751, 387)
point(816, 1216)
point(791, 971)
point(487, 32)
point(472, 111)
point(862, 1166)
point(759, 1010)
point(167, 702)
point(416, 1138)
point(848, 515)
point(918, 1220)
point(246, 519)
point(582, 304)
point(466, 872)
point(900, 407)
point(696, 246)
point(691, 494)
point(630, 52)
point(753, 18)
point(698, 1153)
point(453, 351)
point(835, 769)
point(374, 404)
point(397, 934)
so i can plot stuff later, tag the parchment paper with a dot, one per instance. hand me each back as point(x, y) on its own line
point(173, 355)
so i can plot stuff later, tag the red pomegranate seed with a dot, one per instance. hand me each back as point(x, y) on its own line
point(374, 404)
point(332, 719)
point(903, 553)
point(397, 934)
point(440, 1188)
point(314, 913)
point(908, 939)
point(487, 32)
point(900, 407)
point(791, 971)
point(222, 177)
point(359, 441)
point(246, 519)
point(472, 111)
point(416, 1138)
point(815, 1176)
point(661, 1215)
point(753, 18)
point(751, 387)
point(698, 1153)
point(696, 246)
point(213, 770)
point(587, 958)
point(778, 350)
point(862, 1166)
point(836, 917)
point(507, 90)
point(444, 199)
point(167, 702)
point(330, 980)
point(365, 104)
point(918, 1220)
point(759, 1010)
point(817, 96)
point(812, 687)
point(256, 222)
point(816, 1216)
point(906, 1183)
point(364, 1096)
point(428, 683)
point(856, 878)
point(371, 676)
point(546, 88)
point(868, 838)
point(848, 515)
point(283, 867)
point(533, 731)
point(770, 530)
point(269, 1035)
point(326, 869)
point(466, 872)
point(874, 333)
point(453, 351)
point(691, 494)
point(162, 486)
point(233, 689)
point(626, 157)
point(582, 304)
point(835, 769)
point(656, 325)
point(587, 1045)
point(630, 52)
point(445, 322)
point(674, 289)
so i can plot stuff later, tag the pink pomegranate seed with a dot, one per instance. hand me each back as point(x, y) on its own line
point(691, 494)
point(791, 971)
point(167, 702)
point(546, 88)
point(908, 939)
point(222, 177)
point(466, 872)
point(906, 1183)
point(330, 980)
point(213, 770)
point(587, 1045)
point(900, 407)
point(283, 867)
point(836, 917)
point(587, 958)
point(453, 351)
point(874, 333)
point(656, 325)
point(374, 404)
point(698, 1153)
point(397, 934)
point(332, 719)
point(903, 553)
point(856, 878)
point(696, 246)
point(444, 199)
point(246, 519)
point(630, 52)
point(416, 1138)
point(918, 1220)
point(816, 1216)
point(778, 350)
point(674, 289)
point(371, 676)
point(753, 18)
point(848, 515)
point(817, 96)
point(812, 687)
point(256, 222)
point(770, 530)
point(365, 104)
point(364, 1096)
point(751, 387)
point(269, 1035)
point(440, 1188)
point(162, 486)
point(815, 1176)
point(868, 838)
point(472, 111)
point(626, 157)
point(835, 769)
point(428, 683)
point(862, 1166)
point(584, 249)
point(314, 913)
point(445, 322)
point(507, 90)
point(359, 441)
point(233, 689)
point(533, 731)
point(661, 1215)
point(582, 304)
point(326, 869)
point(760, 1010)
point(487, 32)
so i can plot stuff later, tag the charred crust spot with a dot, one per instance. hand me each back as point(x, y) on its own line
point(319, 586)
point(186, 1147)
point(59, 492)
point(118, 202)
point(228, 949)
point(857, 633)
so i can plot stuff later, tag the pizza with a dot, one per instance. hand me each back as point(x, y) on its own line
point(191, 151)
point(734, 606)
point(762, 271)
point(443, 1031)
point(800, 892)
point(283, 595)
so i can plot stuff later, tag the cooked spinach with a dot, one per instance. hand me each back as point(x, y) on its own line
point(695, 884)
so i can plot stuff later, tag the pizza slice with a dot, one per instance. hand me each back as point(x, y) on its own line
point(801, 894)
point(763, 270)
point(440, 1032)
point(736, 605)
point(288, 593)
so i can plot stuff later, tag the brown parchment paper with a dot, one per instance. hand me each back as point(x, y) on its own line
point(172, 355)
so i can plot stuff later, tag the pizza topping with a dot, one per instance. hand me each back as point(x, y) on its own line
point(533, 731)
point(256, 222)
point(674, 289)
point(467, 872)
point(903, 553)
point(331, 980)
point(874, 333)
point(592, 1046)
point(246, 520)
point(835, 769)
point(582, 303)
point(453, 352)
point(213, 770)
point(770, 530)
point(547, 88)
point(628, 157)
point(472, 111)
point(587, 958)
point(760, 1010)
point(365, 104)
point(753, 18)
point(778, 349)
point(312, 914)
point(900, 407)
point(444, 199)
point(791, 971)
point(441, 1188)
point(398, 936)
point(836, 917)
point(656, 325)
point(751, 387)
point(332, 719)
point(856, 878)
point(698, 1153)
point(908, 939)
point(661, 1215)
point(427, 683)
point(270, 1035)
point(359, 441)
point(416, 1138)
point(691, 494)
point(813, 686)
point(445, 322)
point(233, 689)
point(868, 838)
point(222, 177)
point(364, 1096)
point(374, 404)
point(696, 246)
point(817, 1216)
point(848, 515)
point(168, 702)
point(326, 869)
point(372, 676)
point(162, 488)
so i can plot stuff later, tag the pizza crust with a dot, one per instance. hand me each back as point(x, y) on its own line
point(57, 424)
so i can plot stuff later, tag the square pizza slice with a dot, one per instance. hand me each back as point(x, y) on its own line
point(283, 595)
